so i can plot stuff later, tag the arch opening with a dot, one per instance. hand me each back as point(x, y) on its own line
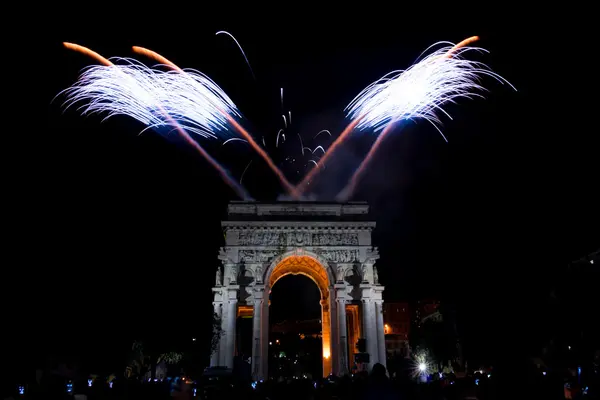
point(311, 268)
point(295, 331)
point(302, 265)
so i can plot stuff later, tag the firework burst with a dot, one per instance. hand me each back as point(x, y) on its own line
point(189, 101)
point(75, 91)
point(420, 91)
point(155, 98)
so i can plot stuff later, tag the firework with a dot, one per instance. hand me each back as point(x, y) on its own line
point(317, 148)
point(100, 101)
point(305, 181)
point(233, 140)
point(301, 144)
point(420, 91)
point(229, 119)
point(87, 52)
point(155, 56)
point(478, 69)
point(322, 131)
point(416, 93)
point(239, 47)
point(277, 139)
point(244, 173)
point(347, 192)
point(154, 97)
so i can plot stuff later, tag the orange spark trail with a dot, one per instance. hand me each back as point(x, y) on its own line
point(288, 187)
point(347, 192)
point(463, 43)
point(155, 56)
point(224, 174)
point(340, 139)
point(87, 52)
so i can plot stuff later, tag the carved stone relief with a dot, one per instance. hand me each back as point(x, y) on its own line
point(250, 256)
point(340, 256)
point(372, 254)
point(265, 238)
point(334, 239)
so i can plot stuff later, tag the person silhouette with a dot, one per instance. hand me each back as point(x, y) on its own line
point(380, 387)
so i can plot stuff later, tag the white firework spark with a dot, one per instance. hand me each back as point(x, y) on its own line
point(322, 131)
point(277, 139)
point(155, 98)
point(317, 148)
point(421, 90)
point(239, 47)
point(234, 139)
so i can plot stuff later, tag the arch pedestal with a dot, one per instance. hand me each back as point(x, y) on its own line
point(336, 255)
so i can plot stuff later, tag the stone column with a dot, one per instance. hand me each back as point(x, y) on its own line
point(264, 362)
point(334, 333)
point(343, 342)
point(353, 326)
point(380, 332)
point(229, 324)
point(370, 331)
point(326, 338)
point(258, 339)
point(214, 358)
point(222, 349)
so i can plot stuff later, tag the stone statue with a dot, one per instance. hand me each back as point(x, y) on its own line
point(234, 273)
point(218, 280)
point(375, 276)
point(258, 273)
point(363, 272)
point(340, 273)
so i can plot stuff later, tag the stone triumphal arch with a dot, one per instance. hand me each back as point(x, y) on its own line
point(328, 243)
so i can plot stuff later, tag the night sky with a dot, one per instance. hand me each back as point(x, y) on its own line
point(112, 235)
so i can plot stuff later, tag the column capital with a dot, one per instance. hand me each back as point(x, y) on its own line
point(232, 292)
point(258, 292)
point(341, 300)
point(340, 291)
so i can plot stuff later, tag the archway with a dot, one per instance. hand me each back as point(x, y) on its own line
point(325, 242)
point(295, 330)
point(318, 272)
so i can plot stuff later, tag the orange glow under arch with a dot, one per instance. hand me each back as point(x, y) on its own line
point(317, 272)
point(302, 265)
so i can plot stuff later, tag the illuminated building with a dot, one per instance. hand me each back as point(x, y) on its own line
point(396, 317)
point(328, 243)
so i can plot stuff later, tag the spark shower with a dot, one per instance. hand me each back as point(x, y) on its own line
point(167, 98)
